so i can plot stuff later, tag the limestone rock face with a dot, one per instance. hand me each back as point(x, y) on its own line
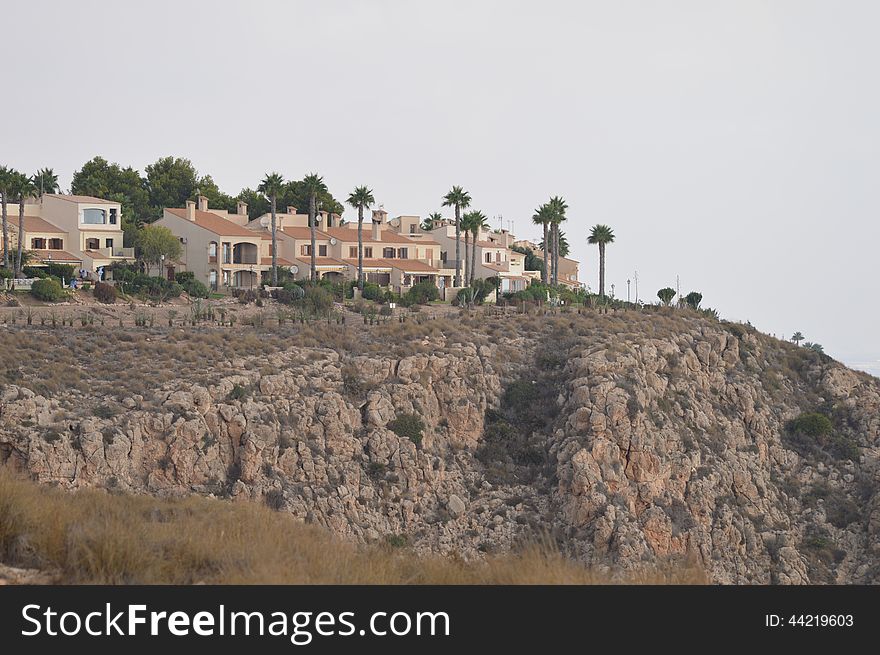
point(661, 446)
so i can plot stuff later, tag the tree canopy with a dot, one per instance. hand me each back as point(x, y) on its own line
point(156, 240)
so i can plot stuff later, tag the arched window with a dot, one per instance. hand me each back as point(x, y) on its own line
point(212, 251)
point(212, 280)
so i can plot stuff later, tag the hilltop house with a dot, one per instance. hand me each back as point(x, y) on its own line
point(83, 231)
point(216, 246)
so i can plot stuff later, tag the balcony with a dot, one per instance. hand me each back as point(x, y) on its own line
point(114, 253)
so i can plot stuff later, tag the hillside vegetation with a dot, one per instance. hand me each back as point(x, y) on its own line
point(619, 440)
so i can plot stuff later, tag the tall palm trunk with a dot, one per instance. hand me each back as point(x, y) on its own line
point(5, 233)
point(467, 236)
point(473, 259)
point(457, 246)
point(20, 236)
point(274, 246)
point(601, 269)
point(556, 253)
point(361, 247)
point(313, 271)
point(546, 270)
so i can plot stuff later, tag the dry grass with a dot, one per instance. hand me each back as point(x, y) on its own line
point(94, 537)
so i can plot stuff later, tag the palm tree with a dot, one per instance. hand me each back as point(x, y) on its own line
point(542, 217)
point(477, 221)
point(466, 228)
point(272, 186)
point(558, 207)
point(460, 199)
point(601, 235)
point(7, 179)
point(564, 247)
point(432, 219)
point(314, 185)
point(45, 181)
point(797, 337)
point(361, 198)
point(24, 189)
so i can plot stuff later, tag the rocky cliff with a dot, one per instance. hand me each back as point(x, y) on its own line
point(626, 439)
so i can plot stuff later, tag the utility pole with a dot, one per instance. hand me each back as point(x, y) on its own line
point(637, 286)
point(627, 290)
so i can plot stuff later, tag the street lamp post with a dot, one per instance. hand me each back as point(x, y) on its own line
point(627, 290)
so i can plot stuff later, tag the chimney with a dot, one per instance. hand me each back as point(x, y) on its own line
point(291, 210)
point(203, 204)
point(190, 211)
point(241, 208)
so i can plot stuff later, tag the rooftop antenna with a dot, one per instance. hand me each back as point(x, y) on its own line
point(636, 279)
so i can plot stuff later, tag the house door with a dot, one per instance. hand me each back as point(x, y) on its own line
point(170, 271)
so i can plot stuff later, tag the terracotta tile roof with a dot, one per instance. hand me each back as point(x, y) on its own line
point(300, 232)
point(216, 224)
point(320, 261)
point(494, 266)
point(406, 265)
point(34, 224)
point(350, 235)
point(267, 261)
point(75, 198)
point(58, 256)
point(489, 244)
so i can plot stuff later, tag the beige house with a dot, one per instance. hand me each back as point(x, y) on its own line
point(80, 230)
point(390, 258)
point(216, 246)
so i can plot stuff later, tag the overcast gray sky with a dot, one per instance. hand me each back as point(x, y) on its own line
point(734, 144)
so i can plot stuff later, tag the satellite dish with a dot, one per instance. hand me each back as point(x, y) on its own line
point(264, 221)
point(293, 269)
point(394, 222)
point(332, 241)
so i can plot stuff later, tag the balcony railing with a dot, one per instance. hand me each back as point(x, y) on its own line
point(127, 253)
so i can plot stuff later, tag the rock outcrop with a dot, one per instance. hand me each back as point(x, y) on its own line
point(655, 446)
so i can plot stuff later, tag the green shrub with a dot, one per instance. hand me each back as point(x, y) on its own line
point(6, 274)
point(372, 291)
point(47, 290)
point(239, 392)
point(318, 300)
point(289, 293)
point(35, 272)
point(666, 295)
point(811, 424)
point(105, 293)
point(408, 426)
point(423, 293)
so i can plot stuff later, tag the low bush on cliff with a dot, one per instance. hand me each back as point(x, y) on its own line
point(92, 537)
point(408, 426)
point(812, 435)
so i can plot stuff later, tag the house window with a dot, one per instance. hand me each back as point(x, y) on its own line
point(352, 252)
point(108, 243)
point(442, 255)
point(212, 255)
point(56, 244)
point(38, 244)
point(227, 257)
point(402, 253)
point(225, 278)
point(412, 228)
point(212, 280)
point(368, 252)
point(388, 253)
point(113, 216)
point(305, 250)
point(488, 257)
point(93, 217)
point(92, 244)
point(322, 251)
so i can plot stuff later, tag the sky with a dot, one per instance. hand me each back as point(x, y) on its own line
point(733, 146)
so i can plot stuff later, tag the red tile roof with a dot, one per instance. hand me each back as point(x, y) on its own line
point(57, 256)
point(216, 224)
point(86, 199)
point(300, 232)
point(349, 235)
point(406, 265)
point(34, 224)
